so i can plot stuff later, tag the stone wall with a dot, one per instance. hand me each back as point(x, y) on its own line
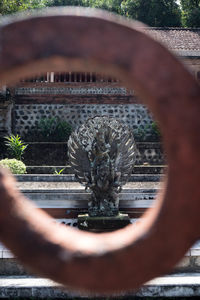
point(28, 115)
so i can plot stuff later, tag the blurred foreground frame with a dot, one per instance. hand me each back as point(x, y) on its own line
point(76, 39)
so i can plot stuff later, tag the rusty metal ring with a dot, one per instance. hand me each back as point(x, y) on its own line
point(76, 39)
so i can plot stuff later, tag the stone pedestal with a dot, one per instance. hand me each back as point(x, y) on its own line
point(102, 224)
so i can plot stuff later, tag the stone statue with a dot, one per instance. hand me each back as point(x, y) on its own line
point(102, 155)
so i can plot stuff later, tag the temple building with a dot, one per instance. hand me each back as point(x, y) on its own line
point(75, 97)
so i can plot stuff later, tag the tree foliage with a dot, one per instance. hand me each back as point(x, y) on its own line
point(191, 13)
point(67, 3)
point(156, 13)
point(110, 5)
point(12, 6)
point(190, 4)
point(152, 12)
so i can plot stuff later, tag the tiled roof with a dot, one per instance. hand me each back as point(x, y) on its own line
point(181, 40)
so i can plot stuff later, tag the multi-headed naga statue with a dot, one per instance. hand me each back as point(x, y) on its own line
point(102, 155)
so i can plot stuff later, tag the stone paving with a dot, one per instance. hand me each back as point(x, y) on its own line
point(176, 285)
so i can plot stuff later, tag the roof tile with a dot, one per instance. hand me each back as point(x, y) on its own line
point(187, 39)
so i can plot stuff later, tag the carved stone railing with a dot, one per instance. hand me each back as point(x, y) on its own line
point(69, 84)
point(69, 77)
point(78, 77)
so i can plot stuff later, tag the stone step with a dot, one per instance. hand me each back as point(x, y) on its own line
point(67, 199)
point(140, 198)
point(80, 200)
point(73, 195)
point(175, 285)
point(81, 204)
point(138, 169)
point(64, 185)
point(72, 178)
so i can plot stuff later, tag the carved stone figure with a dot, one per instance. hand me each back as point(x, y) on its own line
point(102, 155)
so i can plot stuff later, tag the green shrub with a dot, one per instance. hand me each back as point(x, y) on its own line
point(140, 134)
point(14, 165)
point(62, 130)
point(147, 133)
point(46, 127)
point(15, 146)
point(155, 129)
point(54, 129)
point(50, 130)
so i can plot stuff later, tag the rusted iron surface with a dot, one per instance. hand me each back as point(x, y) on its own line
point(84, 40)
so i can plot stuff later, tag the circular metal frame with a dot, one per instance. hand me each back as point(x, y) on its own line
point(88, 40)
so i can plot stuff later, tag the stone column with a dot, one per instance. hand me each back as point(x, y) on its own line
point(6, 107)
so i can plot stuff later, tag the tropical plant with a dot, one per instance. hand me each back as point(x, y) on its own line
point(60, 172)
point(15, 166)
point(15, 146)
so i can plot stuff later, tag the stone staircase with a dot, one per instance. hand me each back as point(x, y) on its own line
point(64, 198)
